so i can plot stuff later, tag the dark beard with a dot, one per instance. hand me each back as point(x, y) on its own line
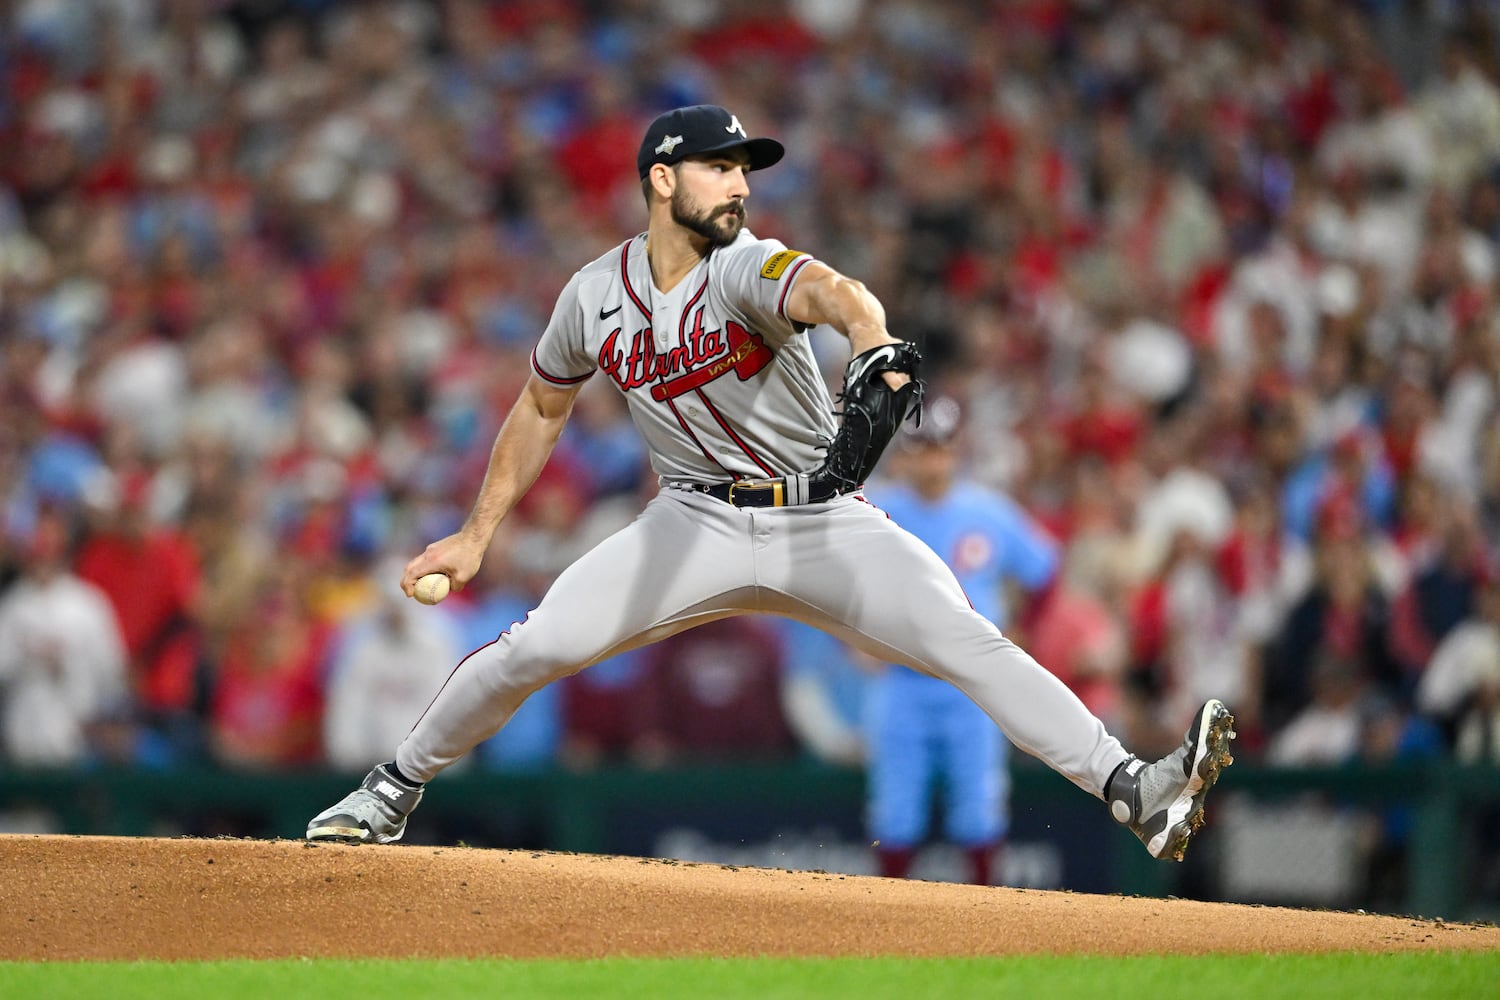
point(708, 224)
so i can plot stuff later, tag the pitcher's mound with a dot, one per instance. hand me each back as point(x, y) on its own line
point(122, 898)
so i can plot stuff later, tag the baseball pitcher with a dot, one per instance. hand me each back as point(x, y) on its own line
point(702, 326)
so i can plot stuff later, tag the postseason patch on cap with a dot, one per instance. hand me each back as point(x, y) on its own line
point(777, 264)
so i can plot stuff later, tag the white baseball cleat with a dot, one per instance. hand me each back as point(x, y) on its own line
point(374, 813)
point(1162, 803)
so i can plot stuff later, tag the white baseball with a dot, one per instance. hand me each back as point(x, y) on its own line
point(431, 588)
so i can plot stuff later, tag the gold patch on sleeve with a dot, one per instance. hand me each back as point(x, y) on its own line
point(777, 264)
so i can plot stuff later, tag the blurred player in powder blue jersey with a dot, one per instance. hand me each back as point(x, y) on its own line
point(923, 732)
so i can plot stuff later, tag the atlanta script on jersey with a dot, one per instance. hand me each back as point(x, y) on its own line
point(719, 380)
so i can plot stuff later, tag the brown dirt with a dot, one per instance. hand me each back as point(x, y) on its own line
point(120, 898)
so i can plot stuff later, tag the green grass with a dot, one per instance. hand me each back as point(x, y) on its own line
point(1406, 976)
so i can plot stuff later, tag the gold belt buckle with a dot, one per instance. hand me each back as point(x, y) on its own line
point(776, 486)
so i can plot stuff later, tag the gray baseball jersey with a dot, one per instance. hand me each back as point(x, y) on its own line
point(723, 386)
point(720, 382)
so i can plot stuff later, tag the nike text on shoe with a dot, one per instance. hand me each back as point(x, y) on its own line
point(1162, 803)
point(374, 813)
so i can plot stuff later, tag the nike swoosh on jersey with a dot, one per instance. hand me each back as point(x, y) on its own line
point(606, 315)
point(885, 353)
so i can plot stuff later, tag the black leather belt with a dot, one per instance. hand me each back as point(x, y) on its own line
point(766, 493)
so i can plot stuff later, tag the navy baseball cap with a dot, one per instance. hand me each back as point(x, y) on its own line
point(699, 129)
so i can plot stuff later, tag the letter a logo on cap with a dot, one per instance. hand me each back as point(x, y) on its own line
point(735, 126)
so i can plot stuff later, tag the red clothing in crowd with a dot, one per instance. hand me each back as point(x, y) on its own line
point(1110, 431)
point(611, 710)
point(1077, 638)
point(151, 583)
point(720, 686)
point(267, 708)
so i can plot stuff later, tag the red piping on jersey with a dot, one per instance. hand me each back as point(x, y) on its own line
point(689, 431)
point(625, 277)
point(555, 380)
point(786, 286)
point(687, 309)
point(714, 412)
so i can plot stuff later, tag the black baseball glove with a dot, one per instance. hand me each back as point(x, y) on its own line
point(872, 413)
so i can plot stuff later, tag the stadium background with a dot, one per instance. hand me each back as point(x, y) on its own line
point(1217, 285)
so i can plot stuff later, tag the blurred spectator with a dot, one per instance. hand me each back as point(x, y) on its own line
point(1458, 688)
point(1105, 422)
point(267, 703)
point(1192, 615)
point(1352, 482)
point(150, 574)
point(1462, 110)
point(1075, 626)
point(1447, 567)
point(1478, 731)
point(1080, 639)
point(62, 660)
point(1181, 501)
point(718, 687)
point(1339, 626)
point(601, 441)
point(1328, 729)
point(386, 664)
point(1183, 615)
point(1263, 571)
point(612, 713)
point(1161, 222)
point(235, 555)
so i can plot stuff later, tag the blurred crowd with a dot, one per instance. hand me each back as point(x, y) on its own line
point(1216, 283)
